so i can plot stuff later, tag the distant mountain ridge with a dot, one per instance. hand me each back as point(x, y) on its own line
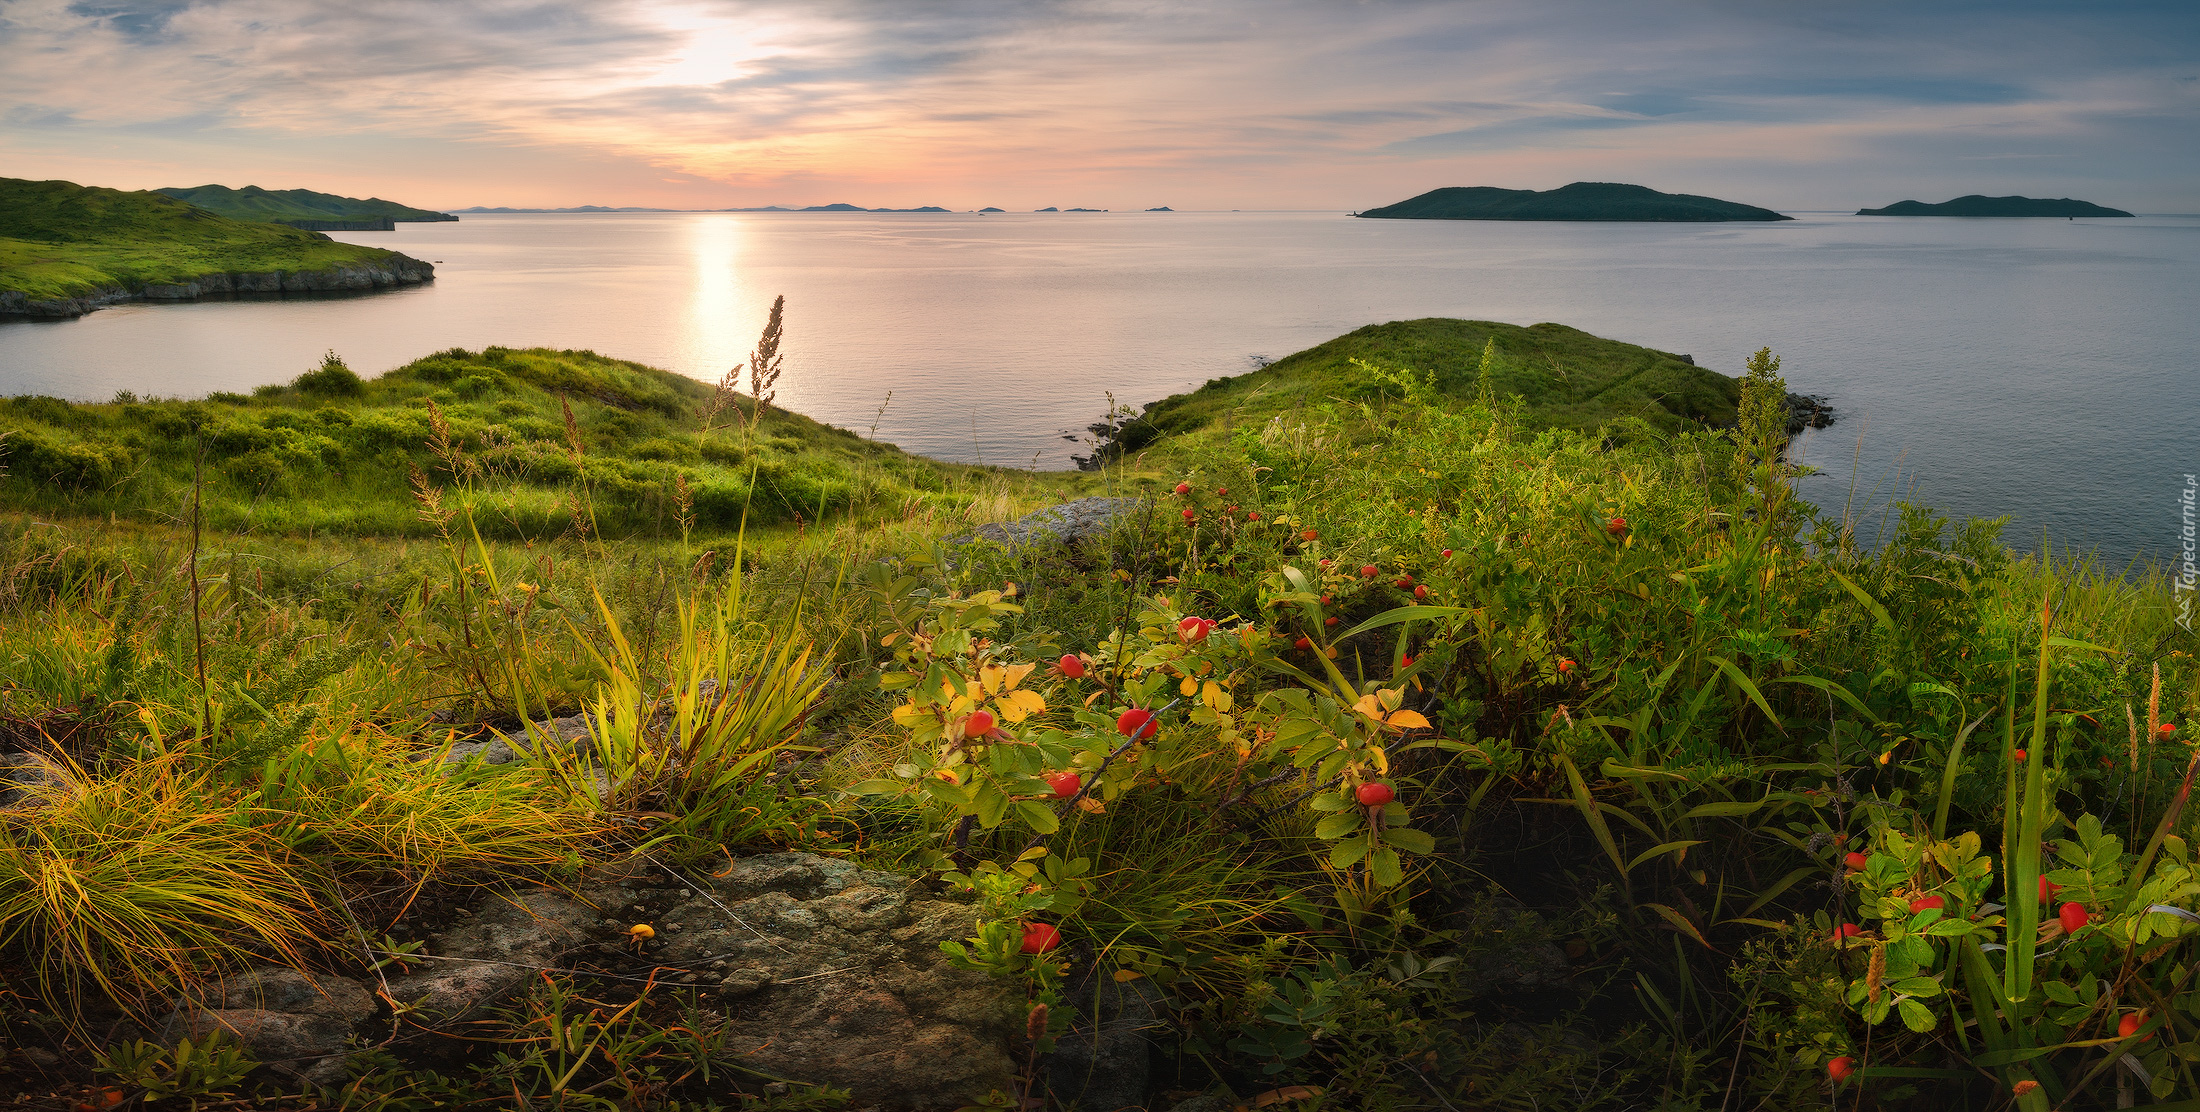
point(1980, 205)
point(1582, 200)
point(302, 208)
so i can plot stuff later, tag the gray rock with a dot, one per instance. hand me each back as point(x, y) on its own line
point(1069, 523)
point(1103, 1063)
point(27, 778)
point(835, 977)
point(290, 1022)
point(493, 954)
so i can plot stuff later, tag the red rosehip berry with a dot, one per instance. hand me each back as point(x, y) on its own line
point(1367, 571)
point(1137, 723)
point(2129, 1025)
point(1616, 527)
point(1840, 1068)
point(2017, 756)
point(978, 724)
point(1446, 554)
point(2073, 916)
point(1222, 492)
point(1330, 621)
point(2165, 731)
point(1073, 666)
point(1189, 514)
point(1302, 644)
point(1041, 937)
point(1565, 666)
point(1846, 931)
point(2048, 890)
point(1855, 861)
point(1193, 630)
point(1402, 582)
point(1183, 488)
point(1253, 516)
point(1064, 784)
point(1309, 534)
point(1374, 794)
point(1421, 591)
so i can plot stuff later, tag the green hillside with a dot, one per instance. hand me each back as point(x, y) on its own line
point(1565, 378)
point(1583, 200)
point(332, 452)
point(61, 240)
point(286, 205)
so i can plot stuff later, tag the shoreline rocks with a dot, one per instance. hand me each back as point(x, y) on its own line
point(402, 270)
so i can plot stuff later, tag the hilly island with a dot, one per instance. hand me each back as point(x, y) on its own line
point(68, 249)
point(1583, 200)
point(304, 208)
point(1978, 205)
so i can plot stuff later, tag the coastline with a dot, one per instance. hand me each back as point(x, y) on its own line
point(401, 270)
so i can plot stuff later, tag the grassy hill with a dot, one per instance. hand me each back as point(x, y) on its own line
point(332, 453)
point(63, 240)
point(1583, 200)
point(287, 205)
point(1565, 377)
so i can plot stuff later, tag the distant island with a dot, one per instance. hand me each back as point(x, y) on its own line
point(1163, 208)
point(1583, 200)
point(1977, 205)
point(67, 249)
point(990, 208)
point(303, 208)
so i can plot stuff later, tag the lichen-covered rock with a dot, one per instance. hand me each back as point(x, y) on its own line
point(832, 974)
point(290, 1022)
point(492, 955)
point(25, 778)
point(1069, 523)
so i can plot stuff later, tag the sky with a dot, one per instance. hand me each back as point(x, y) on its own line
point(1119, 104)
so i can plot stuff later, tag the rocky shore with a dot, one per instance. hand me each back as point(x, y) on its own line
point(400, 270)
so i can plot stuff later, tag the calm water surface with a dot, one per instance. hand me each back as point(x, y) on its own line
point(2037, 368)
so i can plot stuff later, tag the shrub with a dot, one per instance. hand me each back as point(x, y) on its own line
point(331, 379)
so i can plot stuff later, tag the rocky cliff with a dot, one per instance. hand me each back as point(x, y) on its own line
point(400, 270)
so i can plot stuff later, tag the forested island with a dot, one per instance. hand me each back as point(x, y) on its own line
point(304, 208)
point(1978, 205)
point(1583, 200)
point(67, 249)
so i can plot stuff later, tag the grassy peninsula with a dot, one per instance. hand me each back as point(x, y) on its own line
point(299, 207)
point(1459, 716)
point(1978, 205)
point(1583, 200)
point(66, 249)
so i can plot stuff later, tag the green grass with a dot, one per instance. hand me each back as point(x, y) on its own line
point(61, 240)
point(1567, 378)
point(331, 454)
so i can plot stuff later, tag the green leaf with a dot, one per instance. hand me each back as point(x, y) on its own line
point(1383, 863)
point(992, 806)
point(1749, 689)
point(1411, 841)
point(1039, 817)
point(1403, 614)
point(1917, 986)
point(1679, 921)
point(1916, 1016)
point(1655, 851)
point(1725, 809)
point(1348, 853)
point(877, 786)
point(1337, 825)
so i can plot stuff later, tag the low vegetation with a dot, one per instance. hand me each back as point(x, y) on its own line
point(1424, 748)
point(61, 240)
point(285, 205)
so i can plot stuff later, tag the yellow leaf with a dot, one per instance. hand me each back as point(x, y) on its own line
point(1407, 720)
point(1369, 706)
point(1214, 696)
point(907, 714)
point(1019, 705)
point(990, 677)
point(1016, 674)
point(1390, 698)
point(1188, 688)
point(1123, 976)
point(1092, 806)
point(890, 638)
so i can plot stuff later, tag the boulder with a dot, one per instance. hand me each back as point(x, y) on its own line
point(1070, 523)
point(291, 1023)
point(832, 974)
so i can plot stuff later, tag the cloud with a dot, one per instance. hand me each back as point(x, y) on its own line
point(968, 102)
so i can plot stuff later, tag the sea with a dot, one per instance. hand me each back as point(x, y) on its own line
point(2037, 370)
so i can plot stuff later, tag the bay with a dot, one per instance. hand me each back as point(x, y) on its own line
point(2040, 369)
